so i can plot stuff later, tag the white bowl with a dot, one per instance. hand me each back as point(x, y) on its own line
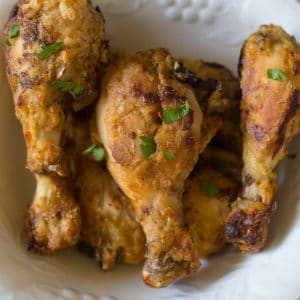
point(210, 29)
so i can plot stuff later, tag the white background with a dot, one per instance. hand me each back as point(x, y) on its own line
point(213, 30)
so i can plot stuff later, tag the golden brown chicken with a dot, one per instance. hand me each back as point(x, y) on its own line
point(206, 202)
point(206, 225)
point(150, 124)
point(52, 221)
point(109, 228)
point(228, 106)
point(53, 51)
point(215, 181)
point(270, 83)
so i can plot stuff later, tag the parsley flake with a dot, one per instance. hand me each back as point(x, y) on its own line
point(210, 188)
point(48, 50)
point(13, 33)
point(68, 86)
point(96, 152)
point(276, 74)
point(174, 114)
point(78, 90)
point(169, 155)
point(148, 146)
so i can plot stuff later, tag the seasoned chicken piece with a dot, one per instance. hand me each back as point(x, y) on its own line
point(270, 83)
point(109, 225)
point(150, 124)
point(215, 181)
point(112, 234)
point(206, 205)
point(53, 53)
point(229, 136)
point(206, 225)
point(209, 95)
point(109, 228)
point(52, 221)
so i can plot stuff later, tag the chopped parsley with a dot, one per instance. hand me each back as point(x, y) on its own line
point(48, 50)
point(276, 74)
point(169, 155)
point(96, 152)
point(148, 146)
point(210, 188)
point(174, 114)
point(68, 86)
point(13, 33)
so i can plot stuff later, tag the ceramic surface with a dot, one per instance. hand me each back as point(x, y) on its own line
point(210, 29)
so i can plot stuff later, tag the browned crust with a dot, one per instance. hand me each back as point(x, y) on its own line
point(33, 93)
point(294, 105)
point(269, 122)
point(137, 91)
point(248, 230)
point(52, 223)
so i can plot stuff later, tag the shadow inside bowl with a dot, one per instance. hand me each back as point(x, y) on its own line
point(287, 202)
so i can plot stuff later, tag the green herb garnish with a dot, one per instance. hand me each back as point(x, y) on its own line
point(169, 155)
point(96, 152)
point(174, 114)
point(13, 33)
point(210, 188)
point(148, 146)
point(78, 90)
point(48, 50)
point(276, 74)
point(68, 86)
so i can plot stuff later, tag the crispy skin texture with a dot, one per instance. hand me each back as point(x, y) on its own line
point(220, 163)
point(270, 119)
point(205, 216)
point(227, 105)
point(41, 108)
point(52, 221)
point(135, 90)
point(109, 230)
point(109, 223)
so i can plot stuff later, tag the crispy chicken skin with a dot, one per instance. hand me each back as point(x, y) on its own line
point(135, 90)
point(270, 119)
point(52, 221)
point(109, 230)
point(219, 165)
point(228, 106)
point(39, 106)
point(109, 224)
point(205, 214)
